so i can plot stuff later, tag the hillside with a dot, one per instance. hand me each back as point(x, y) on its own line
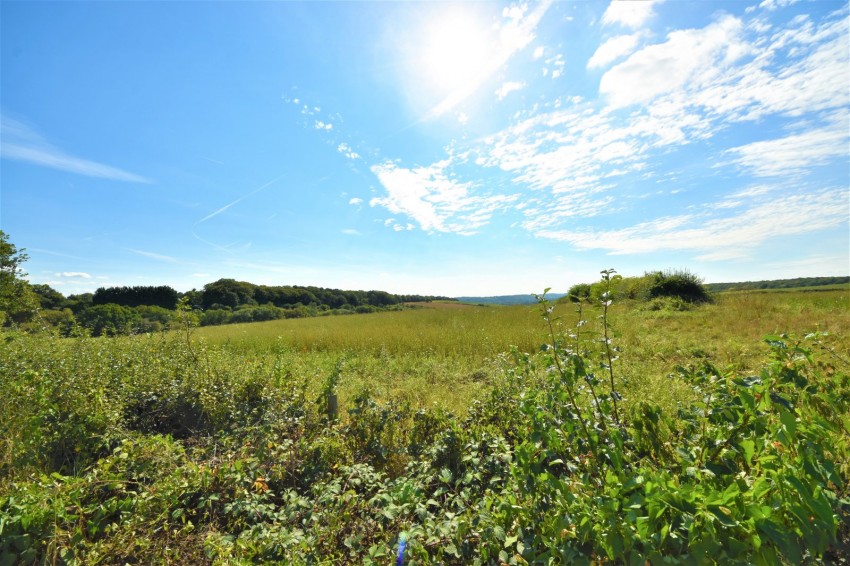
point(525, 299)
point(779, 283)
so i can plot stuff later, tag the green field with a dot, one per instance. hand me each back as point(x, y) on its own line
point(445, 353)
point(214, 445)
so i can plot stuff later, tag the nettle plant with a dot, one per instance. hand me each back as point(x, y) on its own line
point(753, 470)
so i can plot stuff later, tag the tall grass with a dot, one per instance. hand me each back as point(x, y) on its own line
point(446, 355)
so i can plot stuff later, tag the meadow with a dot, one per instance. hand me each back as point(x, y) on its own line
point(445, 353)
point(465, 434)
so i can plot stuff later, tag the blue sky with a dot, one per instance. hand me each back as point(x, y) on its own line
point(457, 149)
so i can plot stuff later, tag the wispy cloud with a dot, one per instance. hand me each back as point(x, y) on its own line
point(509, 87)
point(716, 237)
point(434, 199)
point(613, 49)
point(346, 150)
point(351, 232)
point(19, 142)
point(156, 256)
point(73, 274)
point(794, 154)
point(629, 14)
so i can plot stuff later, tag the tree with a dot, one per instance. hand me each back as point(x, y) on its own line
point(49, 297)
point(17, 299)
point(110, 320)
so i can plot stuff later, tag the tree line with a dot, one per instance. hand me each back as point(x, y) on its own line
point(779, 283)
point(125, 309)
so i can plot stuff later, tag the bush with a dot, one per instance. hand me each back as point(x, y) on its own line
point(110, 320)
point(579, 292)
point(678, 283)
point(215, 316)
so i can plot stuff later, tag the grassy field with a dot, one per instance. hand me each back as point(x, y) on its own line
point(445, 353)
point(459, 433)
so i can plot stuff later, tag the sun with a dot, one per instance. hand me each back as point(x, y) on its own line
point(455, 51)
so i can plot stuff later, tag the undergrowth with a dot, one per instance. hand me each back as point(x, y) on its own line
point(162, 450)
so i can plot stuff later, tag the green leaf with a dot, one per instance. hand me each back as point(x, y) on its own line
point(723, 515)
point(789, 421)
point(748, 448)
point(499, 532)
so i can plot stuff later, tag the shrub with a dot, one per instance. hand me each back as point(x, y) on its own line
point(579, 292)
point(679, 283)
point(215, 316)
point(110, 320)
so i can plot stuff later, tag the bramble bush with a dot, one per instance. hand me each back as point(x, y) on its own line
point(161, 449)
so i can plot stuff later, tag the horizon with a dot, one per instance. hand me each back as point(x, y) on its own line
point(445, 149)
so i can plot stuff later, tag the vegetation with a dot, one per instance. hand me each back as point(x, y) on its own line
point(631, 436)
point(658, 436)
point(664, 289)
point(125, 310)
point(779, 284)
point(17, 298)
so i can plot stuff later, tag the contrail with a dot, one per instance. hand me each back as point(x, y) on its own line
point(225, 207)
point(237, 201)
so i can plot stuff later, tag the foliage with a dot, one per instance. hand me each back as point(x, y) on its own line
point(161, 296)
point(110, 320)
point(229, 293)
point(579, 292)
point(779, 283)
point(679, 284)
point(17, 299)
point(48, 297)
point(167, 448)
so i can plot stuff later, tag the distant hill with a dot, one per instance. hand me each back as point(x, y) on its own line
point(778, 283)
point(508, 299)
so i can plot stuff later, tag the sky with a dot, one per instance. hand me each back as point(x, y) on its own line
point(477, 148)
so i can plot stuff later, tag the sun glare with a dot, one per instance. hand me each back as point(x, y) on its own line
point(455, 51)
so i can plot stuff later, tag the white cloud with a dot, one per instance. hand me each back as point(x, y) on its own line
point(557, 63)
point(19, 142)
point(326, 126)
point(685, 56)
point(515, 11)
point(356, 201)
point(569, 159)
point(795, 153)
point(572, 159)
point(509, 87)
point(539, 52)
point(613, 49)
point(734, 72)
point(629, 14)
point(346, 150)
point(434, 199)
point(462, 118)
point(771, 5)
point(351, 232)
point(719, 237)
point(74, 274)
